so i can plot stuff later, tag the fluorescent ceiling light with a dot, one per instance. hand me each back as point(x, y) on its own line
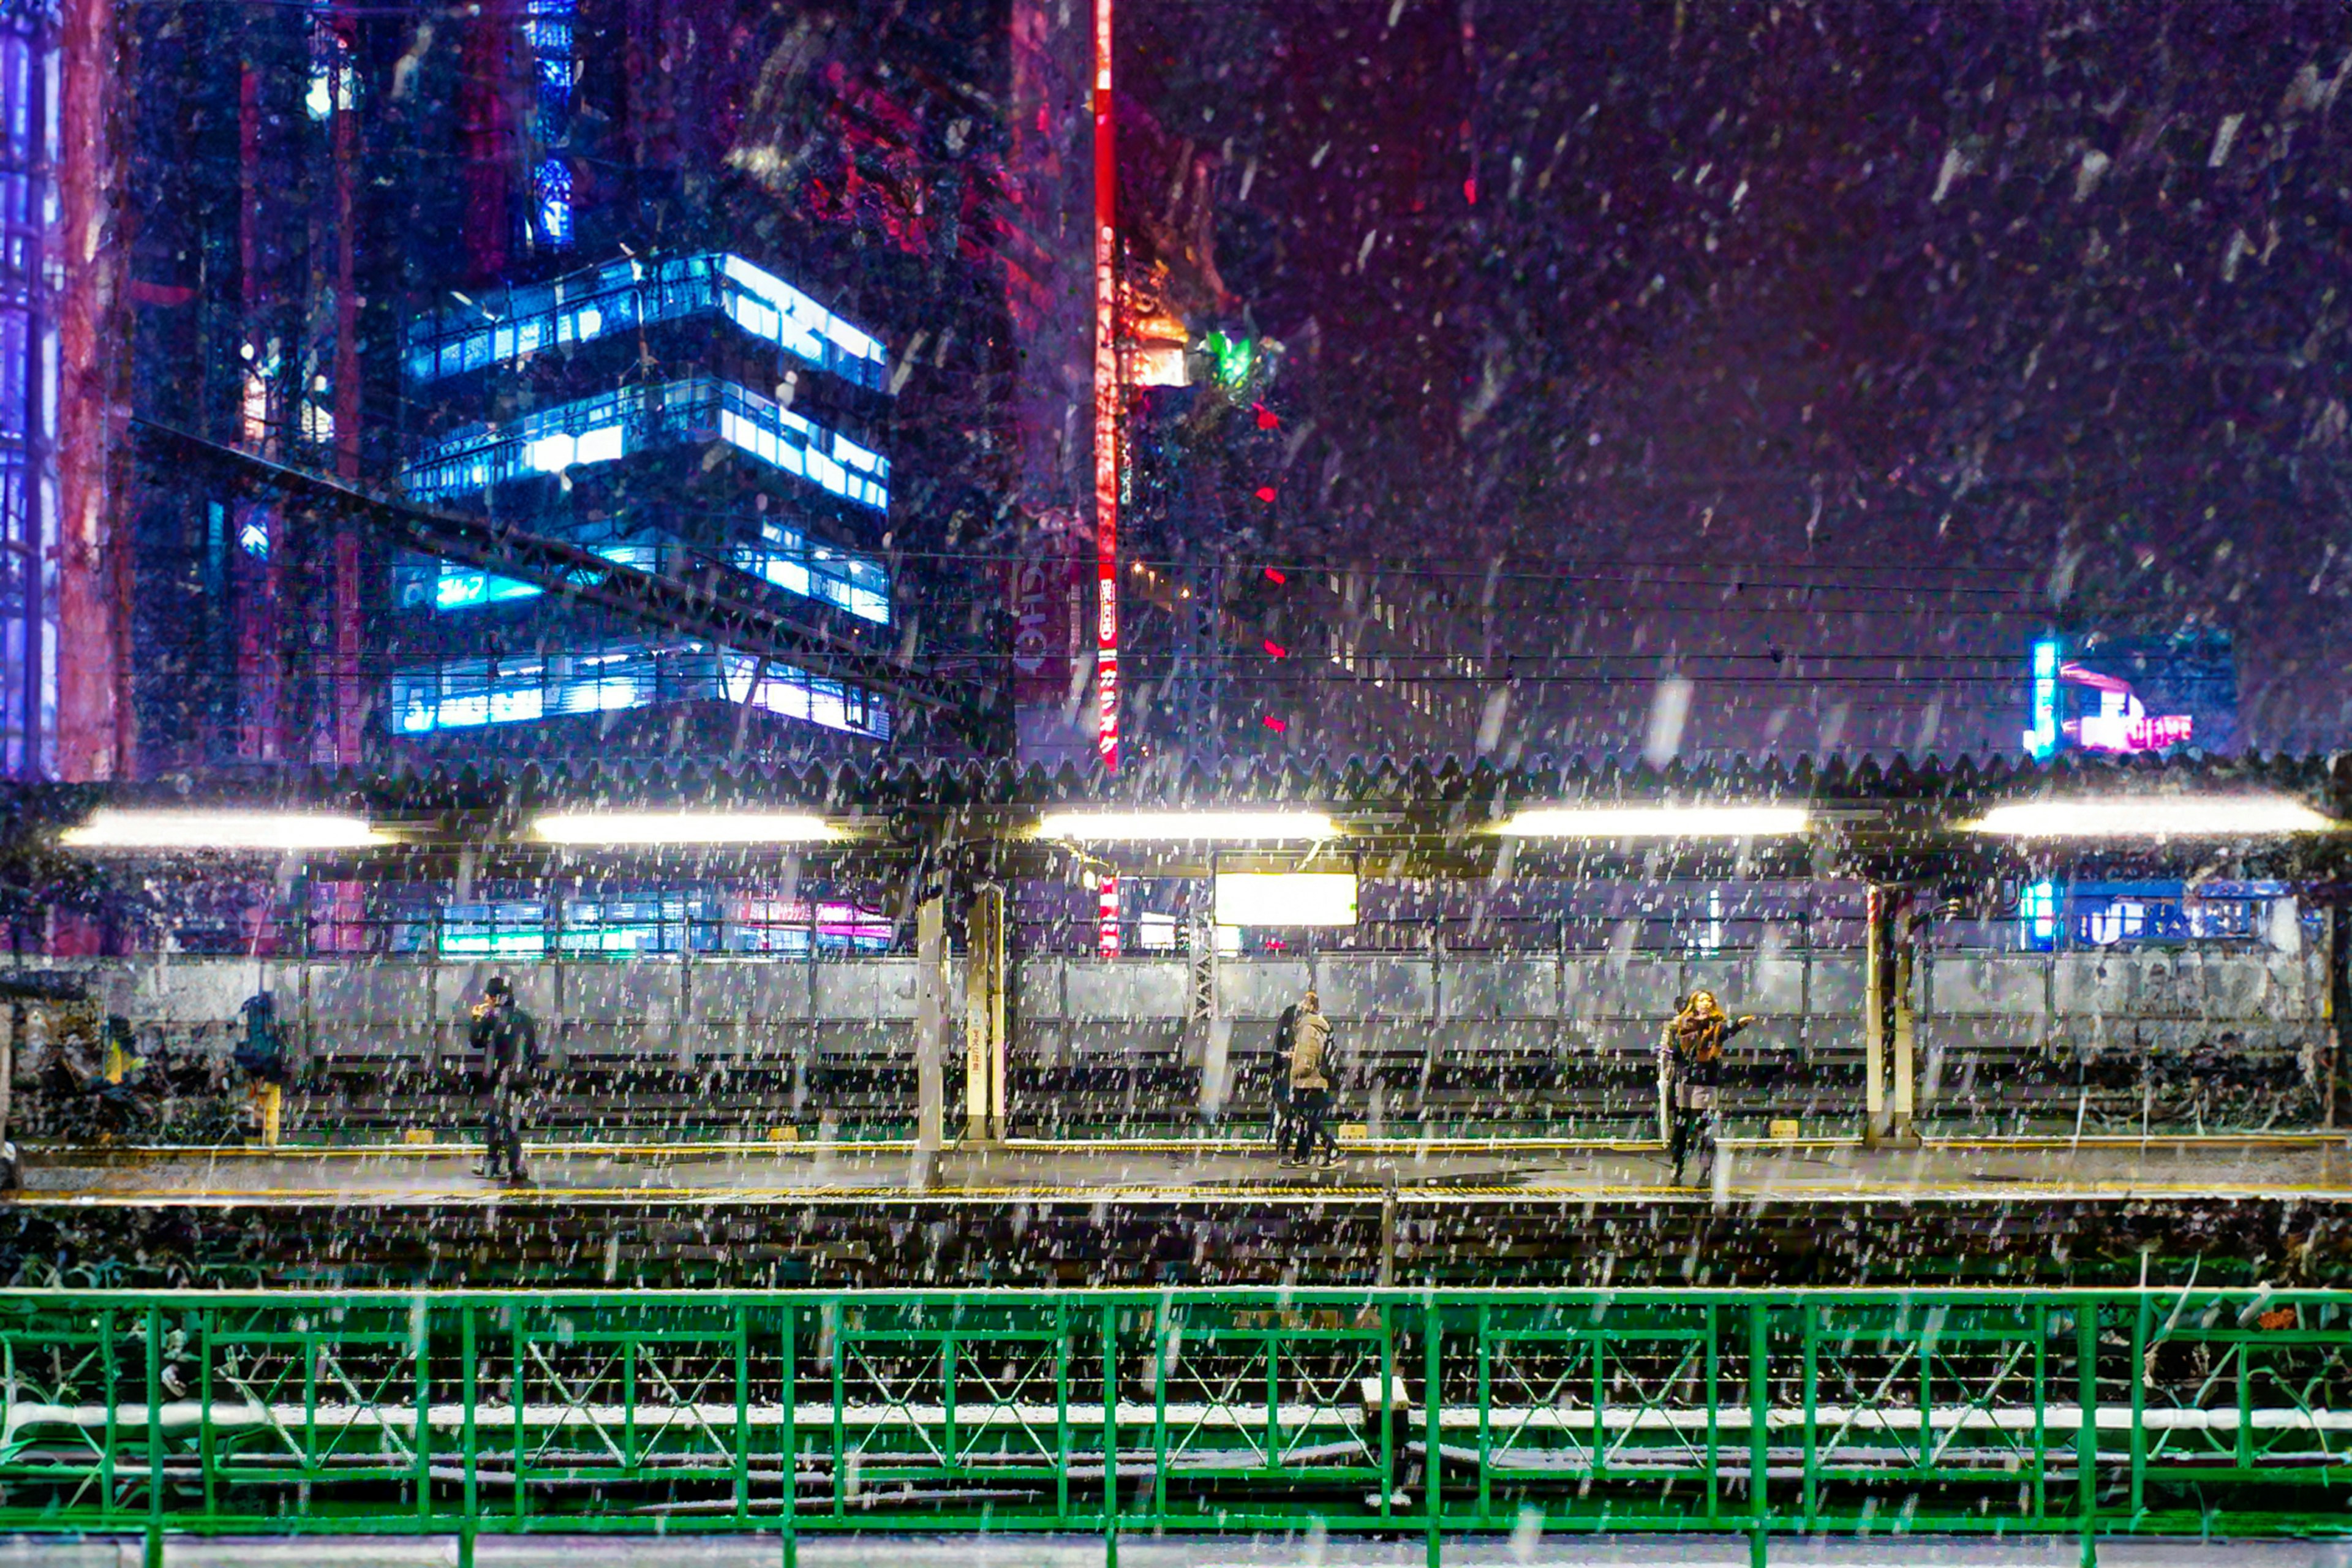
point(616, 828)
point(2173, 816)
point(1656, 822)
point(1286, 898)
point(1164, 826)
point(110, 829)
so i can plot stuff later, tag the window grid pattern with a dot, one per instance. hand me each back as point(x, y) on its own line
point(473, 693)
point(613, 424)
point(624, 295)
point(785, 558)
point(643, 923)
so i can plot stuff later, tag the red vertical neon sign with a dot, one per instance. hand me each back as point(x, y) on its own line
point(1107, 944)
point(1107, 406)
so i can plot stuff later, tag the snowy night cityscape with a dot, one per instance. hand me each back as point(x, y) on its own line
point(1175, 784)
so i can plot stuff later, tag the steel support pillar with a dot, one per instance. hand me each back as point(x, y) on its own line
point(1874, 1011)
point(2339, 1007)
point(1905, 1034)
point(1889, 1026)
point(1215, 1030)
point(984, 1040)
point(1878, 1006)
point(931, 1019)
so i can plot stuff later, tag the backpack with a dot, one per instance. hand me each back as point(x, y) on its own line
point(1285, 1032)
point(262, 1052)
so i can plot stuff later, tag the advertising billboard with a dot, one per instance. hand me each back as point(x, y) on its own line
point(2118, 695)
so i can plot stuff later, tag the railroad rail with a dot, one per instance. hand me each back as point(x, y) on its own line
point(1403, 1413)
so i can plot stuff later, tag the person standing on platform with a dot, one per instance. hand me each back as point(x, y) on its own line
point(1286, 1038)
point(1310, 1087)
point(1691, 1055)
point(260, 1055)
point(508, 1040)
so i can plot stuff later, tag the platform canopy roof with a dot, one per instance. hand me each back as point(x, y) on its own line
point(1904, 820)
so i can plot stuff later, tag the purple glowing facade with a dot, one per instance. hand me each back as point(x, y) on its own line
point(27, 392)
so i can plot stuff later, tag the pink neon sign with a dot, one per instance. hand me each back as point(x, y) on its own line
point(2121, 722)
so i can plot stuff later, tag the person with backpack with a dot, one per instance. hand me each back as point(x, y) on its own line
point(1691, 1057)
point(1311, 1069)
point(1285, 1037)
point(507, 1038)
point(260, 1055)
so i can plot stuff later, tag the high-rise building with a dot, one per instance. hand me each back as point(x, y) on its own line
point(689, 414)
point(715, 291)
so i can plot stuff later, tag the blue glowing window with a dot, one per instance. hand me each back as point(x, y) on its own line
point(462, 694)
point(610, 425)
point(2037, 915)
point(512, 928)
point(2042, 739)
point(621, 295)
point(552, 191)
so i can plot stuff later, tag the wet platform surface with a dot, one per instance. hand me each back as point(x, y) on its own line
point(2308, 1168)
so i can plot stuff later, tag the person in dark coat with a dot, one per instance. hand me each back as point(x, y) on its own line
point(1691, 1053)
point(508, 1040)
point(1285, 1035)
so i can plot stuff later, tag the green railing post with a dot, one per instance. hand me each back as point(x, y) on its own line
point(1064, 1329)
point(2137, 1383)
point(2040, 1412)
point(789, 1377)
point(839, 1318)
point(2087, 1433)
point(1810, 1325)
point(2244, 1449)
point(204, 1457)
point(420, 1344)
point(1433, 1472)
point(1387, 1408)
point(469, 1515)
point(1759, 1414)
point(108, 1357)
point(1485, 1351)
point(516, 1389)
point(154, 1437)
point(1110, 1433)
point(1714, 1411)
point(742, 1414)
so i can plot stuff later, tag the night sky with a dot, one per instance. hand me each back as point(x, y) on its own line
point(1881, 333)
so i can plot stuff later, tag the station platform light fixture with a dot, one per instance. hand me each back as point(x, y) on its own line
point(597, 829)
point(1186, 826)
point(110, 828)
point(2158, 816)
point(1693, 821)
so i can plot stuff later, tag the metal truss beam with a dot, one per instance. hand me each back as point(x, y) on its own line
point(700, 607)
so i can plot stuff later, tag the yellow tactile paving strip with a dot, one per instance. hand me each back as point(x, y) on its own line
point(1823, 1172)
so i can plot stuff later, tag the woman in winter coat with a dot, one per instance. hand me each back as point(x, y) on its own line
point(1690, 1058)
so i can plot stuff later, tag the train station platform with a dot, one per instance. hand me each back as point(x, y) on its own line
point(2302, 1168)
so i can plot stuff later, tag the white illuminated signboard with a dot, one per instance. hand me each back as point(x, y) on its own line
point(1287, 898)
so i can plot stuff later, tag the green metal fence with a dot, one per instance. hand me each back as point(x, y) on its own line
point(1421, 1414)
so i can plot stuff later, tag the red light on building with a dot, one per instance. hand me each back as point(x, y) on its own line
point(1279, 726)
point(1266, 493)
point(1107, 943)
point(1272, 575)
point(1266, 419)
point(1275, 650)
